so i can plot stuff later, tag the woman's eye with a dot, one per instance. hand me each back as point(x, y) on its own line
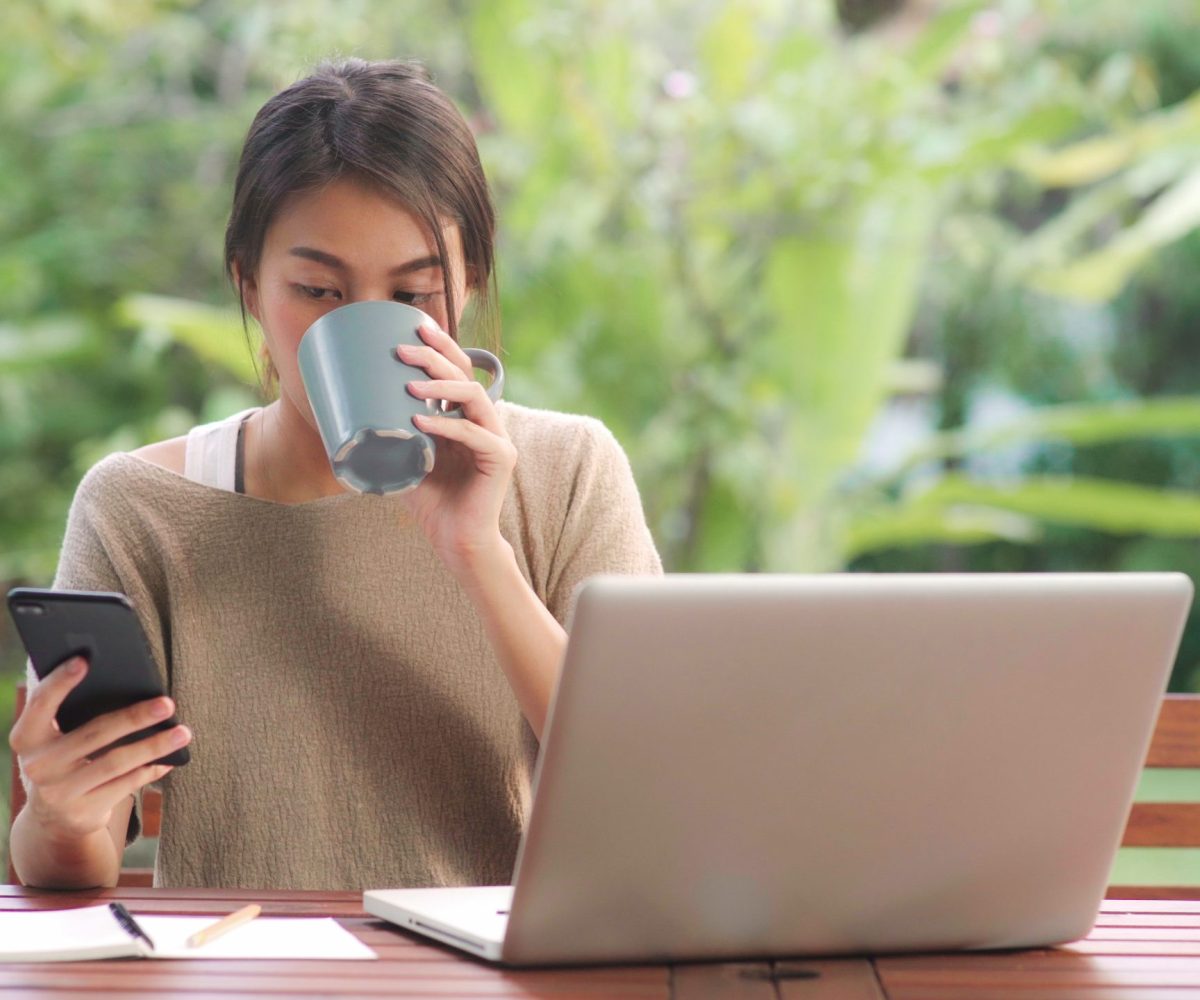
point(317, 292)
point(413, 298)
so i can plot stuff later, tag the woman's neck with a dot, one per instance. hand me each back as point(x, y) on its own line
point(285, 459)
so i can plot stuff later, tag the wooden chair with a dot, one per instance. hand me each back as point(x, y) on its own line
point(1176, 744)
point(151, 813)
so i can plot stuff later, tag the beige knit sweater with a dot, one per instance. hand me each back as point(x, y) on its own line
point(352, 726)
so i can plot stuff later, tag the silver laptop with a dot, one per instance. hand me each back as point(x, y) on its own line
point(749, 766)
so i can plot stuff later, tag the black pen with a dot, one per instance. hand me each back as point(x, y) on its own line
point(125, 919)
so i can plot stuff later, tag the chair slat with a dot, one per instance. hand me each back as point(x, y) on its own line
point(151, 812)
point(1163, 824)
point(1176, 740)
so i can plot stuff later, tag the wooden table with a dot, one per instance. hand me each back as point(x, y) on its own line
point(1139, 949)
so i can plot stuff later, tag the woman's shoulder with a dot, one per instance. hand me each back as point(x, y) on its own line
point(553, 431)
point(170, 454)
point(565, 453)
point(121, 475)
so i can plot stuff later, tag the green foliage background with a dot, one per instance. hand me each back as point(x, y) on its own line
point(753, 236)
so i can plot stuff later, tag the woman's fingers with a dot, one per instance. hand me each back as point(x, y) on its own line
point(477, 407)
point(482, 442)
point(123, 760)
point(104, 797)
point(106, 729)
point(446, 345)
point(36, 725)
point(435, 365)
point(70, 803)
point(87, 813)
point(57, 758)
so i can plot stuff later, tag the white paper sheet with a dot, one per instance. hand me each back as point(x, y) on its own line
point(263, 937)
point(62, 935)
point(92, 932)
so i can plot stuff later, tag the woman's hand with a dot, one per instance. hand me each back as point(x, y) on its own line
point(72, 787)
point(458, 504)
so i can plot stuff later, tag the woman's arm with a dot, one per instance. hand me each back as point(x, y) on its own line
point(80, 800)
point(458, 507)
point(527, 640)
point(74, 863)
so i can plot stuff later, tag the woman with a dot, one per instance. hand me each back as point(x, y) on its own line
point(366, 677)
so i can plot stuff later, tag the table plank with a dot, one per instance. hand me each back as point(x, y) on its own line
point(1032, 962)
point(723, 981)
point(829, 979)
point(837, 979)
point(1149, 906)
point(150, 904)
point(1037, 993)
point(8, 891)
point(1148, 920)
point(1172, 948)
point(1060, 972)
point(160, 978)
point(1161, 933)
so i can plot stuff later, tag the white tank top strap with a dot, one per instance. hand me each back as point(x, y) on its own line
point(210, 456)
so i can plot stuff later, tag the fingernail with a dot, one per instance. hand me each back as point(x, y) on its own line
point(77, 666)
point(161, 708)
point(180, 735)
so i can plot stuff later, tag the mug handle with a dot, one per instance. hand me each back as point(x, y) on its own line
point(490, 364)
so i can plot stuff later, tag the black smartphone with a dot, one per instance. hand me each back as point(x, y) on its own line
point(55, 625)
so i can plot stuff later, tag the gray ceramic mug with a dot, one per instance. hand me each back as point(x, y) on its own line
point(358, 390)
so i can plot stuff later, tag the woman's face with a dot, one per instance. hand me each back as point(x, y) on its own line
point(344, 243)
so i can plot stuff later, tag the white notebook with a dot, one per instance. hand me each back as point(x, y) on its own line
point(93, 932)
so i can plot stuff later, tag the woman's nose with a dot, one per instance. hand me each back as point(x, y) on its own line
point(369, 296)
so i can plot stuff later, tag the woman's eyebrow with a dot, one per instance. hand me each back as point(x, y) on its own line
point(329, 260)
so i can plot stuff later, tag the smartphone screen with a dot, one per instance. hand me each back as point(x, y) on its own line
point(55, 625)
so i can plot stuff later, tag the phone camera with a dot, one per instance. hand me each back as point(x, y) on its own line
point(31, 609)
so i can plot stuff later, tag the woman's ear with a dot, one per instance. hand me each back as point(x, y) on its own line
point(248, 289)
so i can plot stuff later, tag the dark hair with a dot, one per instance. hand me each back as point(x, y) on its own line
point(384, 124)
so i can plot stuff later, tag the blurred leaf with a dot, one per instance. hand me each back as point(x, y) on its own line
point(914, 376)
point(730, 51)
point(942, 37)
point(962, 511)
point(513, 64)
point(214, 334)
point(1100, 156)
point(1093, 279)
point(1057, 240)
point(990, 145)
point(1098, 277)
point(1080, 425)
point(840, 300)
point(42, 342)
point(1101, 505)
point(1082, 163)
point(926, 524)
point(1173, 214)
